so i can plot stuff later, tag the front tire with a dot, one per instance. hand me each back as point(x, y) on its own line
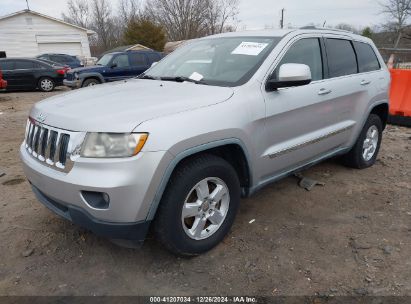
point(46, 84)
point(199, 206)
point(365, 151)
point(90, 83)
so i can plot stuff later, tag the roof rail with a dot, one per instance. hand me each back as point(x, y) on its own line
point(311, 27)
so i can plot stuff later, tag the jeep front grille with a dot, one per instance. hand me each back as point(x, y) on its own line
point(69, 76)
point(52, 146)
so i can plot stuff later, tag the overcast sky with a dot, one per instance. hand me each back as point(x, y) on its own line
point(256, 14)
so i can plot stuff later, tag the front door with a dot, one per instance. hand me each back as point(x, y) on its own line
point(301, 123)
point(119, 68)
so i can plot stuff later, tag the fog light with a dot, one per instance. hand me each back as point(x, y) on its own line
point(98, 200)
point(106, 198)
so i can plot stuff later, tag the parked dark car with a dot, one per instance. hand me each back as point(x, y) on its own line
point(63, 59)
point(55, 64)
point(3, 83)
point(31, 74)
point(112, 67)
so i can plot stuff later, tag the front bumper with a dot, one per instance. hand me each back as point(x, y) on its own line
point(131, 184)
point(74, 84)
point(117, 231)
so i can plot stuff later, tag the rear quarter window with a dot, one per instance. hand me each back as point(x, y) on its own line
point(367, 59)
point(341, 57)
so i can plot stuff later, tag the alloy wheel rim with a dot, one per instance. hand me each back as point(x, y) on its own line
point(205, 208)
point(46, 84)
point(370, 143)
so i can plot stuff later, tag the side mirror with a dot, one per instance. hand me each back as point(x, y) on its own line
point(290, 75)
point(113, 65)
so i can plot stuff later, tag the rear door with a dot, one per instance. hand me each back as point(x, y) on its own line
point(139, 63)
point(372, 77)
point(350, 92)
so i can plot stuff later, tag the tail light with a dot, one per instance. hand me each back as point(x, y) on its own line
point(61, 72)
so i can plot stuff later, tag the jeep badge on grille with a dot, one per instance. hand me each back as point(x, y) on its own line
point(41, 117)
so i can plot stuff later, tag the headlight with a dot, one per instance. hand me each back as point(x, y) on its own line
point(76, 75)
point(113, 145)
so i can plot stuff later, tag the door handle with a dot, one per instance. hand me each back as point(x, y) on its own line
point(324, 92)
point(365, 82)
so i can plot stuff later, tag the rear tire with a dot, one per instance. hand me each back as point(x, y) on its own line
point(199, 206)
point(46, 84)
point(90, 82)
point(365, 151)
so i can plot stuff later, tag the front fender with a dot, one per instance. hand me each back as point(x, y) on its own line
point(184, 154)
point(84, 76)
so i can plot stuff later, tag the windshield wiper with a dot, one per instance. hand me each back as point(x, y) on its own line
point(144, 76)
point(183, 79)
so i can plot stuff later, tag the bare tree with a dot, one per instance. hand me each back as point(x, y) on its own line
point(188, 19)
point(219, 13)
point(182, 19)
point(129, 10)
point(103, 24)
point(347, 27)
point(78, 13)
point(399, 12)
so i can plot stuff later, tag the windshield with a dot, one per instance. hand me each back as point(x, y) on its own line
point(218, 61)
point(105, 60)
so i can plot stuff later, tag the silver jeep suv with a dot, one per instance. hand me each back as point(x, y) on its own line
point(215, 121)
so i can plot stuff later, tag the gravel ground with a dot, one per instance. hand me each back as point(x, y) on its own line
point(349, 237)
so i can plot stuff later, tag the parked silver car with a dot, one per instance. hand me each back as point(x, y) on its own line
point(215, 121)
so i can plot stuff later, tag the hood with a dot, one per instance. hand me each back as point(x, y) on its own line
point(94, 68)
point(122, 106)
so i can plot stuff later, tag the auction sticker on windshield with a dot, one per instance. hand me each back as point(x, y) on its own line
point(249, 48)
point(196, 76)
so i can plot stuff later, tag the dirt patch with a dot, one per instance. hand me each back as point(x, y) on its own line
point(13, 182)
point(351, 236)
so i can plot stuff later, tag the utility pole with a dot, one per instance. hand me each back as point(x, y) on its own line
point(28, 7)
point(282, 19)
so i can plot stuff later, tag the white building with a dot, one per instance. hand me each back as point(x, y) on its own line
point(27, 34)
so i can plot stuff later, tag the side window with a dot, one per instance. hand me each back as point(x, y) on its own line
point(38, 65)
point(24, 65)
point(56, 58)
point(367, 60)
point(138, 59)
point(67, 59)
point(72, 59)
point(341, 57)
point(305, 51)
point(121, 61)
point(6, 65)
